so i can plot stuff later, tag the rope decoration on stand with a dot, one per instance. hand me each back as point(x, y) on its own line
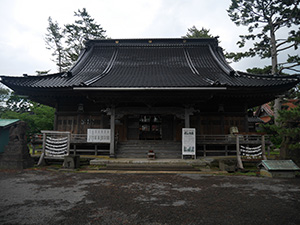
point(56, 144)
point(246, 153)
point(56, 147)
point(251, 153)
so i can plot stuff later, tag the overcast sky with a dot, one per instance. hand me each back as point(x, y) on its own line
point(23, 26)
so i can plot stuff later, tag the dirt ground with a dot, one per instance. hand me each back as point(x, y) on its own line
point(49, 197)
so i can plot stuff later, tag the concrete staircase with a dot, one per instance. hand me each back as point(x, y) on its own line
point(140, 149)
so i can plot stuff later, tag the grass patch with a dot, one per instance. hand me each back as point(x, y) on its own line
point(93, 167)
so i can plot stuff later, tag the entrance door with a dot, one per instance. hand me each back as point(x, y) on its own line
point(150, 127)
point(133, 127)
point(167, 127)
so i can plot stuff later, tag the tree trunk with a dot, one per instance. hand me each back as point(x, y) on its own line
point(278, 101)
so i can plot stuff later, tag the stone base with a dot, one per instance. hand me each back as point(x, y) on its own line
point(277, 174)
point(71, 162)
point(227, 165)
point(16, 156)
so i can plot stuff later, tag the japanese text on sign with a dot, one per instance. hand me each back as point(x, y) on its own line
point(98, 135)
point(188, 141)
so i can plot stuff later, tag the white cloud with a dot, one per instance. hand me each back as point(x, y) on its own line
point(23, 25)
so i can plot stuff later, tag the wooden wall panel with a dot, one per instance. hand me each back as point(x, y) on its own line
point(78, 124)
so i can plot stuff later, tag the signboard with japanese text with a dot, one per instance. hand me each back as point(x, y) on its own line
point(98, 135)
point(188, 141)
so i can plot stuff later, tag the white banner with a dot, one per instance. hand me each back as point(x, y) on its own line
point(188, 141)
point(98, 135)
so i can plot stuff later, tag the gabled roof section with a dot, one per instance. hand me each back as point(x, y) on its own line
point(150, 63)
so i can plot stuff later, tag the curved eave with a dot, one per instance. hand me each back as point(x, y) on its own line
point(147, 88)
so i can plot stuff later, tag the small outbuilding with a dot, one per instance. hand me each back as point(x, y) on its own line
point(278, 168)
point(5, 125)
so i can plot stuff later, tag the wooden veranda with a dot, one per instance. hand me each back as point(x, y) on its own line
point(206, 145)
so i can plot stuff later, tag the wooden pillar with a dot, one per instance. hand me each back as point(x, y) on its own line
point(112, 132)
point(246, 119)
point(238, 154)
point(263, 147)
point(55, 116)
point(187, 118)
point(223, 124)
point(41, 160)
point(174, 128)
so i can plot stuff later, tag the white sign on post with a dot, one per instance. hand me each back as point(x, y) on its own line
point(189, 141)
point(98, 135)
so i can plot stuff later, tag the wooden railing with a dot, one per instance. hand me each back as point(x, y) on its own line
point(78, 144)
point(206, 144)
point(226, 144)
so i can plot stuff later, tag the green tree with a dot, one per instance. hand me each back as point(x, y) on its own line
point(67, 42)
point(256, 70)
point(291, 94)
point(54, 42)
point(4, 95)
point(83, 29)
point(265, 19)
point(286, 134)
point(195, 33)
point(17, 103)
point(289, 131)
point(37, 116)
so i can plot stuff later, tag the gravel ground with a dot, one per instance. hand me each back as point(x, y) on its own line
point(49, 197)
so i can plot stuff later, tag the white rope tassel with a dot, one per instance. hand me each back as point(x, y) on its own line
point(251, 152)
point(56, 147)
point(57, 139)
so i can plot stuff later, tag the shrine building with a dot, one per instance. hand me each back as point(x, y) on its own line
point(146, 90)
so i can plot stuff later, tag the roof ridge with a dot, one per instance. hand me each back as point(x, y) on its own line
point(226, 70)
point(81, 56)
point(269, 76)
point(189, 61)
point(105, 71)
point(153, 41)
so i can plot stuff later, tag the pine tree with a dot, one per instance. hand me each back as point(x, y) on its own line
point(289, 131)
point(265, 18)
point(83, 29)
point(54, 42)
point(193, 32)
point(67, 42)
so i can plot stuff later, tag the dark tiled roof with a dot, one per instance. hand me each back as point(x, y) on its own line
point(150, 63)
point(255, 119)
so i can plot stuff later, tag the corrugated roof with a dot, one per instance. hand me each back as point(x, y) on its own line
point(7, 122)
point(150, 63)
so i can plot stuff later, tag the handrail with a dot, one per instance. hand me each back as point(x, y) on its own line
point(230, 138)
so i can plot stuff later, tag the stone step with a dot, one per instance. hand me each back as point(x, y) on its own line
point(149, 167)
point(170, 156)
point(140, 149)
point(149, 147)
point(145, 165)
